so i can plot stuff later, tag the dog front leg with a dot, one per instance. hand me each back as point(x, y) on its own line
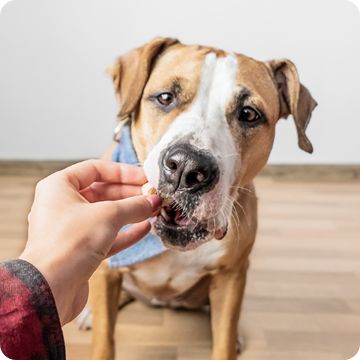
point(226, 294)
point(105, 287)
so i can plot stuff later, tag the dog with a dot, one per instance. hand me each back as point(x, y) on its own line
point(202, 124)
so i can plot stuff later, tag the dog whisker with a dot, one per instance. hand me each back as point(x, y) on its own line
point(243, 210)
point(238, 226)
point(241, 187)
point(244, 190)
point(235, 219)
point(229, 155)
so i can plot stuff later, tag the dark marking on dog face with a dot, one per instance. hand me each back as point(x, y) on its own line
point(178, 237)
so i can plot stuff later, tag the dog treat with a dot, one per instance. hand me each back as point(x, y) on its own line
point(147, 189)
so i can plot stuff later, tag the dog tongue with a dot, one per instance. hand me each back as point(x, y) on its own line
point(182, 220)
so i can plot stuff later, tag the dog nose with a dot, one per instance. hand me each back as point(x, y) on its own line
point(187, 168)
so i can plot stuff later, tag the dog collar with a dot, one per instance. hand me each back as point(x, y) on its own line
point(151, 244)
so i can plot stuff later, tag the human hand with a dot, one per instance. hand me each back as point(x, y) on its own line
point(74, 224)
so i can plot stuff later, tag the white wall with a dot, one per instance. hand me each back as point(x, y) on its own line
point(57, 103)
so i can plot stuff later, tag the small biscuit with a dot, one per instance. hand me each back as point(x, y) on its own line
point(147, 189)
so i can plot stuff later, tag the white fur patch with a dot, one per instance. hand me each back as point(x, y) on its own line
point(184, 269)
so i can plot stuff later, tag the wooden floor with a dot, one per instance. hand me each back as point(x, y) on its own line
point(303, 295)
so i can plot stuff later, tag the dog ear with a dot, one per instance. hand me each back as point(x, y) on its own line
point(295, 98)
point(131, 72)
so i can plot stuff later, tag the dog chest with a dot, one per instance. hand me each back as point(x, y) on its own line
point(174, 278)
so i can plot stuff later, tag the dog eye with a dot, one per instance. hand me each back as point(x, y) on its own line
point(165, 98)
point(249, 115)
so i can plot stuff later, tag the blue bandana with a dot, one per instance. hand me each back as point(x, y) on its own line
point(151, 244)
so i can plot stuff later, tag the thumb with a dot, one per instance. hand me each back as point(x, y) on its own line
point(129, 237)
point(138, 208)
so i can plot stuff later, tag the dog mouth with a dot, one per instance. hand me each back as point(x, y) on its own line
point(179, 230)
point(173, 214)
point(176, 224)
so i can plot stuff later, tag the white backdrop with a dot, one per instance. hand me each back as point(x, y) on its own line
point(57, 103)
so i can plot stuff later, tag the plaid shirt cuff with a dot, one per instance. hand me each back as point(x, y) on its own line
point(29, 323)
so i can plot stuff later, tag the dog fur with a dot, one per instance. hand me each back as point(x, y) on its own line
point(209, 82)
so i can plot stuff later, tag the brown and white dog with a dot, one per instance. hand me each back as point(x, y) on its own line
point(203, 124)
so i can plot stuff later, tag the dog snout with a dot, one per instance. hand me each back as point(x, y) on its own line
point(187, 168)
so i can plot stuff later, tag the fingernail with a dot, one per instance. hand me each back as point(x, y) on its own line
point(155, 201)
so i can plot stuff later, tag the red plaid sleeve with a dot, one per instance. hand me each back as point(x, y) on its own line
point(29, 323)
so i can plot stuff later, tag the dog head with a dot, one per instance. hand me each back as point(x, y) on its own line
point(203, 124)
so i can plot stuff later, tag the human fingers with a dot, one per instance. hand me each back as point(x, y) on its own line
point(129, 237)
point(133, 209)
point(104, 191)
point(83, 174)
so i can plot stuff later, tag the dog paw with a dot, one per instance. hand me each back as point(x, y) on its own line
point(240, 344)
point(84, 320)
